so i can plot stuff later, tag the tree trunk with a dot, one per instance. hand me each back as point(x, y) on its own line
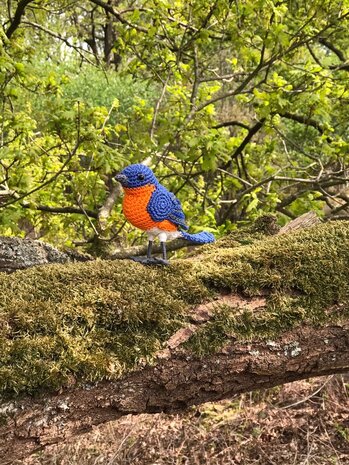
point(249, 312)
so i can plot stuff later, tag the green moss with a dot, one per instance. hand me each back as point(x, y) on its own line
point(229, 322)
point(312, 261)
point(62, 324)
point(88, 321)
point(302, 275)
point(263, 226)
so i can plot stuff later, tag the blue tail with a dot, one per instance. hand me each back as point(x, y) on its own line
point(198, 238)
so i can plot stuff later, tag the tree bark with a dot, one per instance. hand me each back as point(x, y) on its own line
point(177, 381)
point(264, 321)
point(16, 21)
point(19, 254)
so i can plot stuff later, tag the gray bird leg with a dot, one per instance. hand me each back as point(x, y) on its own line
point(150, 246)
point(149, 260)
point(163, 248)
point(163, 260)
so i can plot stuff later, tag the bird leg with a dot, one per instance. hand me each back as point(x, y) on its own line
point(163, 237)
point(149, 260)
point(163, 248)
point(163, 260)
point(150, 246)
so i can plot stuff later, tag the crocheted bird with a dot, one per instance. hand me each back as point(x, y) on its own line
point(149, 206)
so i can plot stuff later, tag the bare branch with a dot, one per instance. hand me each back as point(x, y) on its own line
point(332, 47)
point(22, 4)
point(231, 123)
point(118, 15)
point(78, 49)
point(157, 108)
point(303, 120)
point(105, 211)
point(48, 209)
point(252, 131)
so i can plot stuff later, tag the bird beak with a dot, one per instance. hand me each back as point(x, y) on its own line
point(121, 178)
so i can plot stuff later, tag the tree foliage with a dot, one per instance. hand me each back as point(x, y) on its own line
point(241, 107)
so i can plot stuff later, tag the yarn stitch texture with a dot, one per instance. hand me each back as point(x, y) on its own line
point(147, 204)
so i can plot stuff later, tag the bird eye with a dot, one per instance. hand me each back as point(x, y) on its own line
point(140, 177)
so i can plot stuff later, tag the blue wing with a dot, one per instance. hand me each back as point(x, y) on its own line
point(163, 205)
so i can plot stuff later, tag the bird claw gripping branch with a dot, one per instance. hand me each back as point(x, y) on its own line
point(151, 207)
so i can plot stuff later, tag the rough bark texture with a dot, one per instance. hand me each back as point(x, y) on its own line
point(19, 254)
point(305, 221)
point(177, 381)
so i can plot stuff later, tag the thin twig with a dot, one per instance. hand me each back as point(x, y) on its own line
point(310, 396)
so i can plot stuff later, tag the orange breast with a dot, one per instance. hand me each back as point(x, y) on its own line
point(135, 209)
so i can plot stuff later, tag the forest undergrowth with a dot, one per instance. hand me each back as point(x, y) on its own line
point(301, 423)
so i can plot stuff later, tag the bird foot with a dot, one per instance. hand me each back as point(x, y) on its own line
point(151, 261)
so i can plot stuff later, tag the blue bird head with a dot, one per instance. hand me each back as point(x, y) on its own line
point(137, 175)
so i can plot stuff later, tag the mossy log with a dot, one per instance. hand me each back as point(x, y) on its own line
point(85, 343)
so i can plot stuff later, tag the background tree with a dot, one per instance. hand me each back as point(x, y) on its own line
point(241, 107)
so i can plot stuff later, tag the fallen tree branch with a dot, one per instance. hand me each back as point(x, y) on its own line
point(174, 383)
point(139, 250)
point(307, 220)
point(19, 254)
point(97, 340)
